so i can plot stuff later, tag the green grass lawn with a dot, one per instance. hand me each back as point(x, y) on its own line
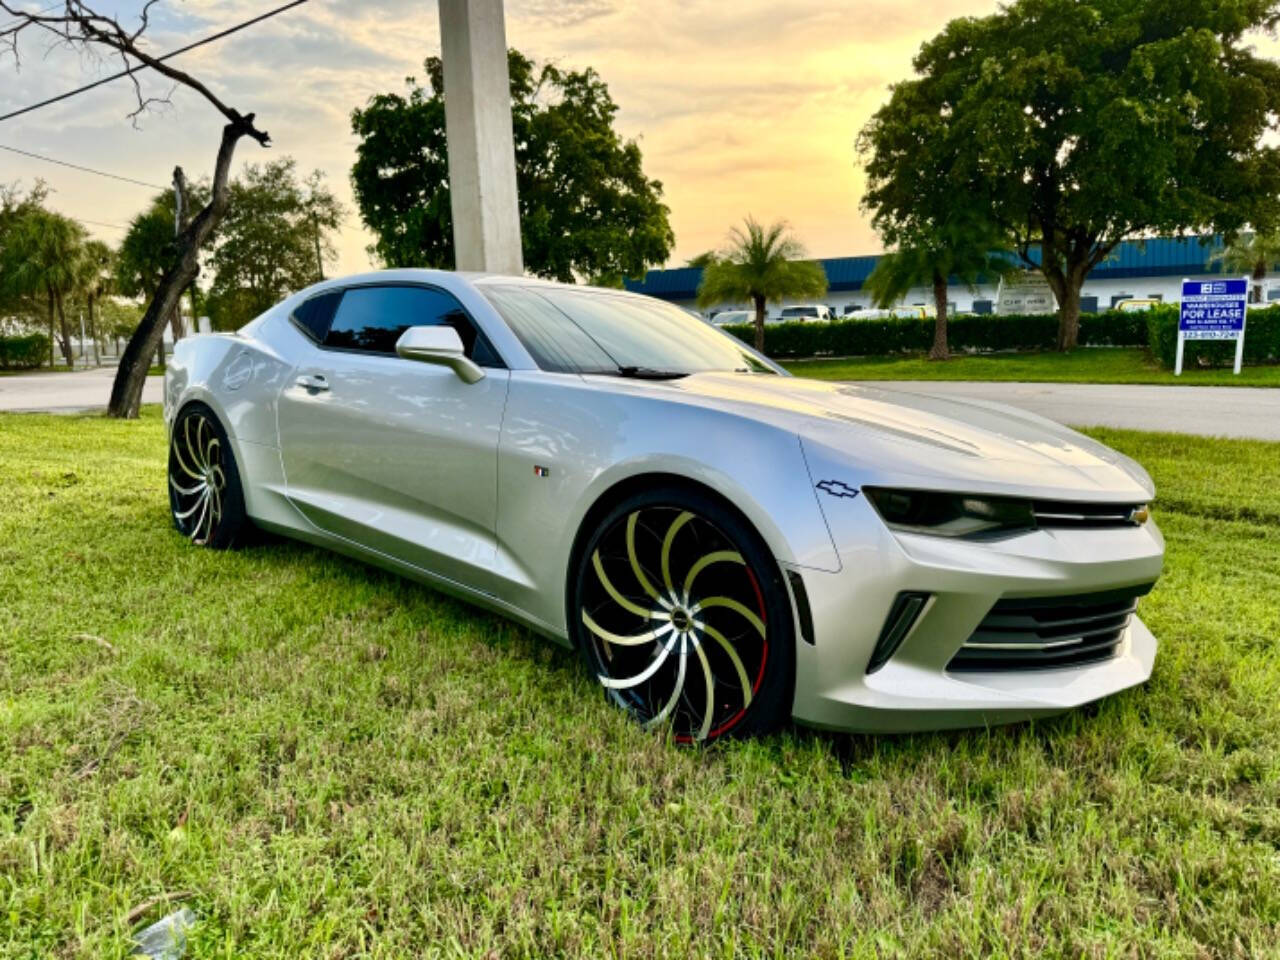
point(324, 760)
point(26, 372)
point(1097, 365)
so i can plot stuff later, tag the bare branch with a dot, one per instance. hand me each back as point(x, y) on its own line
point(80, 25)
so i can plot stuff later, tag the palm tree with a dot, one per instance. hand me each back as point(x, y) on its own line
point(966, 251)
point(43, 258)
point(1251, 253)
point(761, 264)
point(97, 280)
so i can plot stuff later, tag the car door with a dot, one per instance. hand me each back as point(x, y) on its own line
point(397, 455)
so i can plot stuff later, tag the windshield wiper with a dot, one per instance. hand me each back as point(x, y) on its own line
point(649, 373)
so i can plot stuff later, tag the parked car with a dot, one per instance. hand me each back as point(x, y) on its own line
point(729, 317)
point(1136, 304)
point(888, 313)
point(806, 314)
point(726, 545)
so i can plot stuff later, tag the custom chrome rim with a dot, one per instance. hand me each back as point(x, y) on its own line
point(676, 622)
point(196, 477)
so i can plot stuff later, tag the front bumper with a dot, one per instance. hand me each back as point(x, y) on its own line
point(914, 690)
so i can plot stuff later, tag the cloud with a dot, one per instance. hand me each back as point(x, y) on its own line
point(742, 107)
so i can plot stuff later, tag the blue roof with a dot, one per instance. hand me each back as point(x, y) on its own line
point(1156, 257)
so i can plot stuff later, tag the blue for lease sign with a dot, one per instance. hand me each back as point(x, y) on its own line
point(1213, 309)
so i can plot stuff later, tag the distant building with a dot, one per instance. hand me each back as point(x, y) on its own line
point(1144, 269)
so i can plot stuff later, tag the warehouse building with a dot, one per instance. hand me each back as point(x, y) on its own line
point(1147, 269)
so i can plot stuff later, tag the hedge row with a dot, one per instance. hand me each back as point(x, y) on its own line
point(1261, 340)
point(859, 338)
point(24, 352)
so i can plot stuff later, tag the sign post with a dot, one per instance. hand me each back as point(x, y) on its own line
point(1213, 310)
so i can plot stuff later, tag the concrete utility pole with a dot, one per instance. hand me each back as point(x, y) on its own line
point(482, 160)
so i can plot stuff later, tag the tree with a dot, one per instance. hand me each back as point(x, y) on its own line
point(761, 264)
point(963, 249)
point(702, 260)
point(97, 280)
point(1251, 253)
point(586, 207)
point(1078, 123)
point(118, 320)
point(150, 247)
point(43, 259)
point(273, 241)
point(18, 310)
point(79, 26)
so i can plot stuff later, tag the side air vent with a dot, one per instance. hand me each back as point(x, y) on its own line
point(803, 611)
point(1060, 513)
point(1049, 633)
point(903, 615)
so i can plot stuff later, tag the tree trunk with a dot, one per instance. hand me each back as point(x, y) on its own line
point(93, 333)
point(758, 301)
point(1069, 318)
point(939, 350)
point(64, 338)
point(1259, 278)
point(131, 376)
point(53, 338)
point(1066, 284)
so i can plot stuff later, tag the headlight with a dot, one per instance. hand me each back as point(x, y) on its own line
point(951, 514)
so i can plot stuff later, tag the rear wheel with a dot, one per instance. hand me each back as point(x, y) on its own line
point(682, 615)
point(205, 496)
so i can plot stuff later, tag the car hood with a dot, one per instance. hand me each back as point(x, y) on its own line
point(888, 435)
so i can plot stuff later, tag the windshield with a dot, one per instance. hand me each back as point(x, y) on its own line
point(800, 312)
point(592, 331)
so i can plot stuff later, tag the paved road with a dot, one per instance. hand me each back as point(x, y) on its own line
point(1252, 412)
point(68, 392)
point(1210, 411)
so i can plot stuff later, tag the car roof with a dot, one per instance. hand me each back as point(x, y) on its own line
point(447, 278)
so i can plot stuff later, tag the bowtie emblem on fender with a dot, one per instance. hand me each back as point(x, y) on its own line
point(836, 488)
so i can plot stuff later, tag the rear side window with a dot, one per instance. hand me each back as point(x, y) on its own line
point(371, 320)
point(315, 315)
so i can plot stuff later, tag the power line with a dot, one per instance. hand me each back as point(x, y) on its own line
point(99, 223)
point(76, 166)
point(168, 56)
point(19, 22)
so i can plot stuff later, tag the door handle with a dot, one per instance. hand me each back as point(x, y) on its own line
point(313, 382)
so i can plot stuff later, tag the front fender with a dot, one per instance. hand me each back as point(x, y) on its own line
point(566, 444)
point(239, 378)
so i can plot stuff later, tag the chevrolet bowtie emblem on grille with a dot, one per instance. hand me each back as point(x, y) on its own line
point(837, 489)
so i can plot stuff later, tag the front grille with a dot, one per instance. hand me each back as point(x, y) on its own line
point(1064, 513)
point(1050, 632)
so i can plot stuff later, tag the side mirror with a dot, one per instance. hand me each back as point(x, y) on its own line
point(439, 345)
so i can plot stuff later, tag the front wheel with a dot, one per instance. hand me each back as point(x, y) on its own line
point(205, 496)
point(683, 617)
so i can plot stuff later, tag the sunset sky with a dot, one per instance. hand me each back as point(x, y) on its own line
point(742, 107)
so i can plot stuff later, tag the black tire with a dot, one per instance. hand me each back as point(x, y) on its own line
point(716, 617)
point(206, 499)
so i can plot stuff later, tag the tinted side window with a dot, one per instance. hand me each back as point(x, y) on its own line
point(315, 315)
point(371, 319)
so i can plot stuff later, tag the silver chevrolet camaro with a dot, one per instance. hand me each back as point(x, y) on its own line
point(725, 544)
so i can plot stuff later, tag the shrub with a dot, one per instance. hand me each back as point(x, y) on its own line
point(24, 352)
point(859, 338)
point(1261, 341)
